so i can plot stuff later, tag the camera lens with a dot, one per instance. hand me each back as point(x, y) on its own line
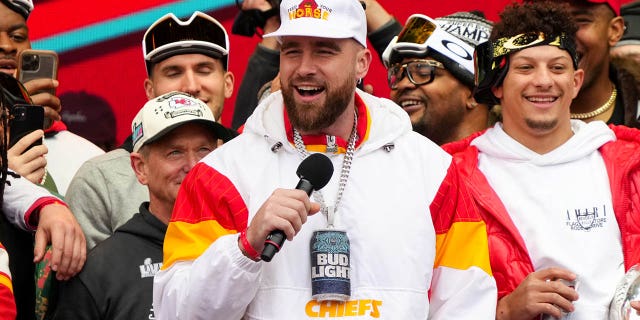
point(30, 62)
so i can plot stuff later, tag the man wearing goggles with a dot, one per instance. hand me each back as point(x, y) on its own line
point(430, 73)
point(188, 55)
point(555, 192)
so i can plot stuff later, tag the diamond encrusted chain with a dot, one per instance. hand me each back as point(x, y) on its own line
point(344, 173)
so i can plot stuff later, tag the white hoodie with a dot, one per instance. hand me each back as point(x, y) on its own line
point(385, 210)
point(561, 204)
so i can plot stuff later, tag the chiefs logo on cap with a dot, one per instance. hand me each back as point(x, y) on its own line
point(181, 102)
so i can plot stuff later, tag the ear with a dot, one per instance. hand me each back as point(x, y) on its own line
point(139, 167)
point(498, 92)
point(616, 30)
point(363, 61)
point(228, 84)
point(578, 78)
point(148, 89)
point(470, 101)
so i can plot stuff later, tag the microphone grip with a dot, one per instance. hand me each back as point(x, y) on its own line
point(305, 186)
point(276, 238)
point(272, 244)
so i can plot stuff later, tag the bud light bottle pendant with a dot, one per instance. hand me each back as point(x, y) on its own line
point(330, 265)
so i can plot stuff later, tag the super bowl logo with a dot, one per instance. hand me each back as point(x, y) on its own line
point(138, 132)
point(149, 269)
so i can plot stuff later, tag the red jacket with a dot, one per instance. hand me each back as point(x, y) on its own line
point(510, 261)
point(7, 301)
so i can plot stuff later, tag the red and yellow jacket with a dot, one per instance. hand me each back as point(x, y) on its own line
point(7, 301)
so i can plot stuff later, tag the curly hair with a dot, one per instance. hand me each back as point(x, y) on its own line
point(549, 17)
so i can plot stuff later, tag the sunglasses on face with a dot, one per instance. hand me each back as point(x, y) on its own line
point(419, 72)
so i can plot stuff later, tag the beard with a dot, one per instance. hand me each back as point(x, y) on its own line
point(542, 125)
point(310, 117)
point(442, 129)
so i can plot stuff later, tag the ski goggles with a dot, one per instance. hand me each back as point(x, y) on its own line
point(421, 37)
point(419, 72)
point(170, 36)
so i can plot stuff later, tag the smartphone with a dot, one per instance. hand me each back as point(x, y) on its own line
point(36, 64)
point(25, 118)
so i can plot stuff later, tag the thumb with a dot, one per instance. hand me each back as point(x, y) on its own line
point(40, 246)
point(315, 207)
point(368, 89)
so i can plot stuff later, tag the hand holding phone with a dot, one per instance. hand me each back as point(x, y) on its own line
point(24, 120)
point(37, 64)
point(28, 164)
point(38, 70)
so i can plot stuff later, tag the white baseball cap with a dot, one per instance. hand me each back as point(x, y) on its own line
point(162, 114)
point(335, 19)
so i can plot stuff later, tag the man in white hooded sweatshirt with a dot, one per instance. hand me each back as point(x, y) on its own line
point(559, 196)
point(394, 201)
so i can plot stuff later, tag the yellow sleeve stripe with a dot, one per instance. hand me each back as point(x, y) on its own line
point(186, 241)
point(465, 245)
point(6, 282)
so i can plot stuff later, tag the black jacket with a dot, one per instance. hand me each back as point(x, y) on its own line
point(627, 102)
point(117, 279)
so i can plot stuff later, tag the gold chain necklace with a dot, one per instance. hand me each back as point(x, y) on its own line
point(606, 106)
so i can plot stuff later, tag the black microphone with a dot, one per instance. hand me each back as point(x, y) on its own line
point(314, 172)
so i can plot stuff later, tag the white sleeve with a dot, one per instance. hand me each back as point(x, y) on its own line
point(462, 294)
point(220, 282)
point(20, 195)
